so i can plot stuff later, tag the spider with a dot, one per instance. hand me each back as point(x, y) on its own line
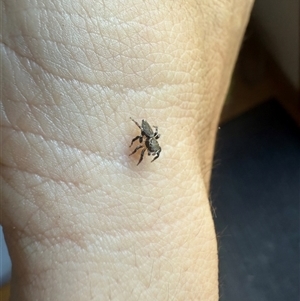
point(151, 144)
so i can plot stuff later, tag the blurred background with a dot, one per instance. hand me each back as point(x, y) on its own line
point(255, 186)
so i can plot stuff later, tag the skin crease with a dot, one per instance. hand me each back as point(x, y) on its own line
point(81, 220)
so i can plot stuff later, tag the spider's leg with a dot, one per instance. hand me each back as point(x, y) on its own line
point(156, 135)
point(137, 148)
point(157, 155)
point(142, 156)
point(136, 138)
point(136, 123)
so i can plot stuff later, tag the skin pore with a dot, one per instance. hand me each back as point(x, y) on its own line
point(81, 220)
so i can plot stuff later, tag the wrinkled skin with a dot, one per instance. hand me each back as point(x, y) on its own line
point(81, 220)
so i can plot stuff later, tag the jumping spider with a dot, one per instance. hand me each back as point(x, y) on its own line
point(151, 144)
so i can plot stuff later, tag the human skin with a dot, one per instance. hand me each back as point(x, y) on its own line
point(82, 221)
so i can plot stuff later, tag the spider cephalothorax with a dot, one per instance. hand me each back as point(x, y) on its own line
point(150, 140)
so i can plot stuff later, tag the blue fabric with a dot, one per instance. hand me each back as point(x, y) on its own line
point(255, 191)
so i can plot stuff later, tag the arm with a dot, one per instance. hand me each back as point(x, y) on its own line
point(81, 220)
